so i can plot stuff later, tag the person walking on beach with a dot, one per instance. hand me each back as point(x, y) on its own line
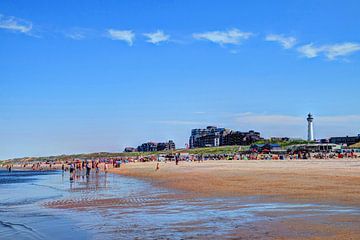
point(157, 166)
point(177, 159)
point(63, 167)
point(106, 167)
point(88, 168)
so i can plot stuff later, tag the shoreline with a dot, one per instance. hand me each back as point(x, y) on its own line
point(301, 181)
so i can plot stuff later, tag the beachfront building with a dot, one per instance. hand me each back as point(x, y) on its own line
point(166, 146)
point(345, 140)
point(207, 137)
point(212, 136)
point(240, 138)
point(153, 146)
point(147, 147)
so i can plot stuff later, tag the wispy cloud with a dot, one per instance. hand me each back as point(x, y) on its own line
point(75, 34)
point(247, 118)
point(180, 122)
point(285, 42)
point(268, 119)
point(200, 112)
point(15, 24)
point(295, 126)
point(156, 37)
point(122, 35)
point(233, 36)
point(331, 51)
point(309, 50)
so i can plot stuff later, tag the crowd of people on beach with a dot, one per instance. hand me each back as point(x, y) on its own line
point(103, 164)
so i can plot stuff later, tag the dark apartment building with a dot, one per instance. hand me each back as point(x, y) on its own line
point(147, 147)
point(152, 146)
point(166, 146)
point(212, 136)
point(241, 138)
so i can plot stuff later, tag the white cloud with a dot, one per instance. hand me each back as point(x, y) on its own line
point(309, 50)
point(286, 42)
point(331, 51)
point(233, 36)
point(336, 50)
point(15, 24)
point(157, 37)
point(122, 35)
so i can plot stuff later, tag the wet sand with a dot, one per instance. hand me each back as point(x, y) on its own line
point(326, 182)
point(314, 181)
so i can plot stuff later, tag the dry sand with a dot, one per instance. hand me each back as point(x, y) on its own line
point(335, 181)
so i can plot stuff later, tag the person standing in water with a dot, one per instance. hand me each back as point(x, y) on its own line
point(88, 168)
point(97, 167)
point(72, 168)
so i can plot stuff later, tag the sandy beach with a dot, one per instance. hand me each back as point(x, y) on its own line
point(334, 181)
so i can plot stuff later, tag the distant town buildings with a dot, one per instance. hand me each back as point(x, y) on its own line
point(212, 136)
point(152, 147)
point(345, 140)
point(130, 149)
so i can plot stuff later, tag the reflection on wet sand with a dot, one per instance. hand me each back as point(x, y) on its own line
point(133, 208)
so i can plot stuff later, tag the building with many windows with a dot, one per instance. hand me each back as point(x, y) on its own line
point(153, 146)
point(166, 146)
point(212, 136)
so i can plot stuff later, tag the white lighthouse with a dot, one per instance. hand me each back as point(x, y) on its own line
point(310, 120)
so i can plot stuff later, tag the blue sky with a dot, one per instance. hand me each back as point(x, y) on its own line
point(87, 76)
